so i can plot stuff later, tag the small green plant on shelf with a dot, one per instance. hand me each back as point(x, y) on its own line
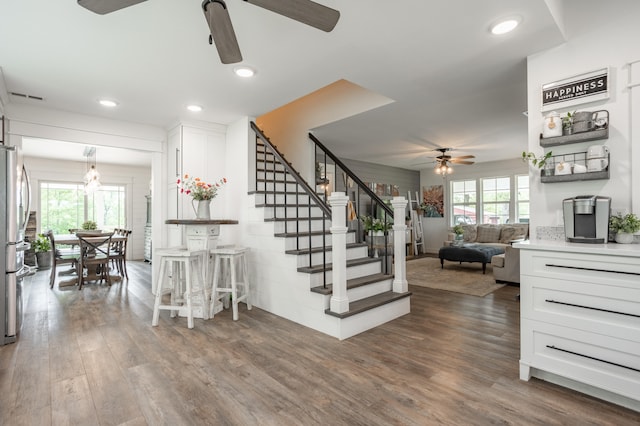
point(567, 123)
point(628, 223)
point(538, 162)
point(89, 225)
point(458, 229)
point(41, 244)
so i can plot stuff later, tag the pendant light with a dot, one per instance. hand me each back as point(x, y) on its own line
point(92, 176)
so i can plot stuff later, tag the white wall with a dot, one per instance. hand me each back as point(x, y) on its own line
point(599, 35)
point(136, 180)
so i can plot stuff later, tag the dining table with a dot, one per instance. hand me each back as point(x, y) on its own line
point(73, 240)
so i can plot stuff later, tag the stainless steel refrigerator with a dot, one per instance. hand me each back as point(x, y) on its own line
point(15, 199)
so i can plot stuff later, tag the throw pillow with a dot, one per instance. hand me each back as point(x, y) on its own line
point(488, 234)
point(507, 234)
point(469, 233)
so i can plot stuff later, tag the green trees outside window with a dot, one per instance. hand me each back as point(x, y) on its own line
point(65, 206)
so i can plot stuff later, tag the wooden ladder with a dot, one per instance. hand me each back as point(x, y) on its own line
point(416, 224)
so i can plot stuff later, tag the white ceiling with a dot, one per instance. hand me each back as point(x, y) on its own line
point(454, 84)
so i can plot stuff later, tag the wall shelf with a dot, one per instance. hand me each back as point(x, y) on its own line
point(571, 159)
point(575, 177)
point(575, 138)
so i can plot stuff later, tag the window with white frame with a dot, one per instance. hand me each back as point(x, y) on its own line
point(496, 199)
point(463, 202)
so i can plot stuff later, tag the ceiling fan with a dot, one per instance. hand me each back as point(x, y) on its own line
point(215, 11)
point(444, 161)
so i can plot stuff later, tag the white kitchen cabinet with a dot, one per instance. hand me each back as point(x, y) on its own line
point(196, 149)
point(580, 317)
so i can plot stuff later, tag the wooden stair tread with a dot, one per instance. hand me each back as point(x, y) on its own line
point(352, 262)
point(354, 283)
point(369, 303)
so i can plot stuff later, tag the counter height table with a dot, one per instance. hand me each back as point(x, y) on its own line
point(202, 234)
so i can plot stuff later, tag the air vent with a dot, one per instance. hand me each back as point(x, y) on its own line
point(22, 95)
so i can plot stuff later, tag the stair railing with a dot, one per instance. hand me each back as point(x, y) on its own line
point(363, 200)
point(314, 199)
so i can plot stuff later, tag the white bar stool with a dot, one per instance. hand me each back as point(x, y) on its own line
point(183, 282)
point(234, 279)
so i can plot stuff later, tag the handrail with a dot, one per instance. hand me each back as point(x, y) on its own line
point(352, 175)
point(299, 180)
point(385, 211)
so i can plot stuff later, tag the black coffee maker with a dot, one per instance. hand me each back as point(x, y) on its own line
point(586, 219)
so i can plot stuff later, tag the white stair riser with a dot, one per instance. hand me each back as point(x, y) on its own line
point(292, 212)
point(294, 243)
point(301, 225)
point(316, 258)
point(352, 272)
point(278, 175)
point(290, 198)
point(280, 186)
point(369, 290)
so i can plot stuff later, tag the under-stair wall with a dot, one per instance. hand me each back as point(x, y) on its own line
point(295, 284)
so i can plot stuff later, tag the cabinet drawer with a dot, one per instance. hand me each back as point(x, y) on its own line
point(605, 362)
point(599, 308)
point(617, 270)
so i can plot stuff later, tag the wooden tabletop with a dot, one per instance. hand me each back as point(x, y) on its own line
point(72, 239)
point(201, 222)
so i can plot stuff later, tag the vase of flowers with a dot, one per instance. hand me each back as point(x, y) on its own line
point(200, 191)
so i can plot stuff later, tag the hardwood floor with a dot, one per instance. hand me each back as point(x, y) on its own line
point(91, 357)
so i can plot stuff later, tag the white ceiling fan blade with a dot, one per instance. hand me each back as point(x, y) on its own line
point(217, 15)
point(102, 7)
point(306, 11)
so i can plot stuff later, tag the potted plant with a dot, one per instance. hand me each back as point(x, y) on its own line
point(375, 227)
point(459, 231)
point(89, 226)
point(538, 162)
point(624, 226)
point(567, 123)
point(42, 247)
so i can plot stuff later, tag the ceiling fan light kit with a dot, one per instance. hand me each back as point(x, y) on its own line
point(221, 30)
point(444, 161)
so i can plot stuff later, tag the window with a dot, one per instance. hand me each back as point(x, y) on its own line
point(522, 198)
point(463, 202)
point(500, 199)
point(65, 206)
point(496, 198)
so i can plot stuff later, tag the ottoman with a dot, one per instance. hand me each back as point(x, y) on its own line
point(469, 253)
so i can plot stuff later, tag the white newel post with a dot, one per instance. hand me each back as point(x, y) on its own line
point(400, 284)
point(339, 300)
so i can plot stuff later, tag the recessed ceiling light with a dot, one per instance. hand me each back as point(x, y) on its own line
point(505, 26)
point(244, 71)
point(108, 103)
point(194, 108)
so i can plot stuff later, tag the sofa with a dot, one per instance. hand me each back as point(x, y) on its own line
point(502, 235)
point(506, 266)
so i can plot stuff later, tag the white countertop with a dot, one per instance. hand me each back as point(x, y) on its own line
point(610, 249)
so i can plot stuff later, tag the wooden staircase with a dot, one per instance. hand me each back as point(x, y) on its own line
point(302, 240)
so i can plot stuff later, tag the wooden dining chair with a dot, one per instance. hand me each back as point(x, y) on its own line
point(94, 258)
point(119, 252)
point(61, 257)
